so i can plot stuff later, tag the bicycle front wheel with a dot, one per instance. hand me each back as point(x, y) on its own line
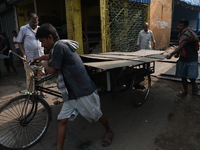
point(23, 122)
point(140, 89)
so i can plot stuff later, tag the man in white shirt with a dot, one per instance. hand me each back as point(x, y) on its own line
point(145, 38)
point(30, 46)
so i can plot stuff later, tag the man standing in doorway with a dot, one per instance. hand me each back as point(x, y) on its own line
point(187, 64)
point(29, 45)
point(145, 38)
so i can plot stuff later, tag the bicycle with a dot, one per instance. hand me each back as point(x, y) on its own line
point(25, 118)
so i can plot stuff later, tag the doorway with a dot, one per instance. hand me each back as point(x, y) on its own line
point(91, 26)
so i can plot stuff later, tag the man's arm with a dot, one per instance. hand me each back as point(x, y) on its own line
point(50, 70)
point(4, 49)
point(153, 41)
point(177, 50)
point(22, 50)
point(154, 45)
point(43, 57)
point(138, 42)
point(5, 44)
point(20, 40)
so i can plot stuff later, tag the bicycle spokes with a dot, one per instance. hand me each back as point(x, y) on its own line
point(23, 121)
point(28, 111)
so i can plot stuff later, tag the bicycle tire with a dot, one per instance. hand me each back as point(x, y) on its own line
point(140, 88)
point(16, 135)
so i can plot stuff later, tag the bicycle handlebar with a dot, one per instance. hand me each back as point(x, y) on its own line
point(10, 51)
point(34, 67)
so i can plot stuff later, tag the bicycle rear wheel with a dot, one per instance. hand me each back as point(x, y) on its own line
point(140, 89)
point(23, 122)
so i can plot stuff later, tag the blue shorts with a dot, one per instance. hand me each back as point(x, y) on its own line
point(187, 69)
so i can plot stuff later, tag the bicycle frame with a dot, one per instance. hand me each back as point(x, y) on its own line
point(36, 82)
point(33, 95)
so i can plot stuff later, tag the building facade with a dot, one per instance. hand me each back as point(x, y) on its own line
point(98, 25)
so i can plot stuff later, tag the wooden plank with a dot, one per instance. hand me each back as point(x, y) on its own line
point(96, 57)
point(74, 22)
point(146, 52)
point(105, 37)
point(118, 57)
point(146, 59)
point(158, 56)
point(140, 55)
point(137, 53)
point(115, 53)
point(112, 64)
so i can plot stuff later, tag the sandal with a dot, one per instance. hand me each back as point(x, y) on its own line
point(182, 94)
point(107, 140)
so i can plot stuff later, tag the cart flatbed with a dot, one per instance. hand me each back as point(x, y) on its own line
point(118, 71)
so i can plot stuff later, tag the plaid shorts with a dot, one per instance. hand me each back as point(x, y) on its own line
point(187, 69)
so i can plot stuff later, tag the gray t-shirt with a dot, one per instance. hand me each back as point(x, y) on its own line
point(76, 79)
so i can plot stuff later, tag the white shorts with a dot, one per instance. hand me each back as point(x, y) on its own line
point(88, 106)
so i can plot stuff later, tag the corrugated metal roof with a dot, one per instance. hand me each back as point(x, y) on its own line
point(192, 2)
point(142, 1)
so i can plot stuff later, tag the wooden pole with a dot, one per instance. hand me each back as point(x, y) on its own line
point(74, 22)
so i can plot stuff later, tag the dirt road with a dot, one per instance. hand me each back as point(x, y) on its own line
point(164, 122)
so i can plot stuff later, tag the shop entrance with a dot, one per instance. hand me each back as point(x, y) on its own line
point(91, 26)
point(48, 11)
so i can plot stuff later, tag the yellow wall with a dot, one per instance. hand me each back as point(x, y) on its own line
point(74, 22)
point(22, 11)
point(51, 9)
point(160, 21)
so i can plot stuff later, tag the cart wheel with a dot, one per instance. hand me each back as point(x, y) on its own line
point(140, 89)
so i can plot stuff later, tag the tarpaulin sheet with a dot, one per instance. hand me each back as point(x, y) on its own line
point(192, 2)
point(142, 1)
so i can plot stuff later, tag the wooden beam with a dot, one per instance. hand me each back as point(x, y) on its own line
point(105, 38)
point(74, 22)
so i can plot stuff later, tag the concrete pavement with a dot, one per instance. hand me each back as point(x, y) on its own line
point(134, 128)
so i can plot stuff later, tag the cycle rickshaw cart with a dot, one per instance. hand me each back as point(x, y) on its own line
point(115, 72)
point(25, 118)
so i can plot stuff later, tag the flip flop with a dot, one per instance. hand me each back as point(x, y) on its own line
point(182, 94)
point(107, 140)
